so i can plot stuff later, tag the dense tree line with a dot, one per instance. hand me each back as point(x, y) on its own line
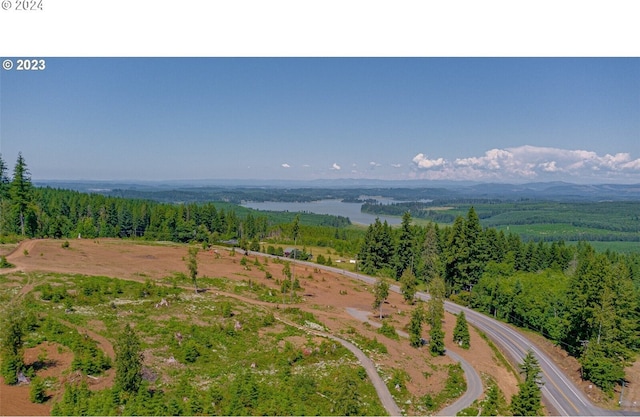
point(587, 302)
point(609, 220)
point(459, 253)
point(38, 212)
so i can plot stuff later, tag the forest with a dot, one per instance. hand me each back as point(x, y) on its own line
point(533, 219)
point(585, 301)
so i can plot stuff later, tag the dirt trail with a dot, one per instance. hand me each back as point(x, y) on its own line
point(103, 342)
point(381, 388)
point(474, 383)
point(327, 294)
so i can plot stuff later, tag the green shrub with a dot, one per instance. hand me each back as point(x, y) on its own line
point(226, 310)
point(4, 263)
point(37, 393)
point(388, 330)
point(190, 351)
point(9, 368)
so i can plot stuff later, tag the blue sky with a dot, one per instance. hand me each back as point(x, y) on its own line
point(485, 119)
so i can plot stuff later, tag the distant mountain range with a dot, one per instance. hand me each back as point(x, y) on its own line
point(415, 189)
point(412, 189)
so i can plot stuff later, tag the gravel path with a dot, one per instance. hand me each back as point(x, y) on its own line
point(381, 388)
point(474, 383)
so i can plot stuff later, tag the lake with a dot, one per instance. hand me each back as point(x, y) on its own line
point(334, 207)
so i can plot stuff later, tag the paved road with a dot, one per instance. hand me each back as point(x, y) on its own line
point(559, 393)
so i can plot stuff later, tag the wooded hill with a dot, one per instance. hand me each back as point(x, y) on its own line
point(587, 302)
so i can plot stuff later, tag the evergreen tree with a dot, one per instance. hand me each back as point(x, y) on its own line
point(11, 327)
point(494, 403)
point(4, 193)
point(377, 248)
point(408, 286)
point(474, 265)
point(37, 393)
point(430, 257)
point(456, 256)
point(192, 265)
point(604, 311)
point(404, 250)
point(295, 232)
point(435, 305)
point(599, 368)
point(128, 361)
point(380, 293)
point(436, 339)
point(415, 326)
point(436, 314)
point(461, 331)
point(527, 402)
point(21, 191)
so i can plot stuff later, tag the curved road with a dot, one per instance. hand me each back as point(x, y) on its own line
point(381, 388)
point(559, 393)
point(474, 383)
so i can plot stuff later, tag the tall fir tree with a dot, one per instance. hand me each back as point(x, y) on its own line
point(435, 305)
point(21, 191)
point(128, 361)
point(436, 339)
point(404, 252)
point(415, 326)
point(11, 334)
point(474, 265)
point(430, 263)
point(408, 286)
point(4, 193)
point(435, 313)
point(461, 331)
point(528, 400)
point(456, 256)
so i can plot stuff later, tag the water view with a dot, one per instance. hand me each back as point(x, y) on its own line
point(334, 207)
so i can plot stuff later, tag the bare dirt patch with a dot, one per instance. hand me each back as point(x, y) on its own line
point(14, 400)
point(327, 295)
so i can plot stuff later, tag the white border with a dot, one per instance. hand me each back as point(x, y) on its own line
point(322, 28)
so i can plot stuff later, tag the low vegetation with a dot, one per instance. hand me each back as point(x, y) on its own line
point(223, 356)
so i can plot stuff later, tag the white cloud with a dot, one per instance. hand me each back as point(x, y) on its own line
point(396, 165)
point(531, 162)
point(425, 163)
point(286, 166)
point(335, 167)
point(373, 164)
